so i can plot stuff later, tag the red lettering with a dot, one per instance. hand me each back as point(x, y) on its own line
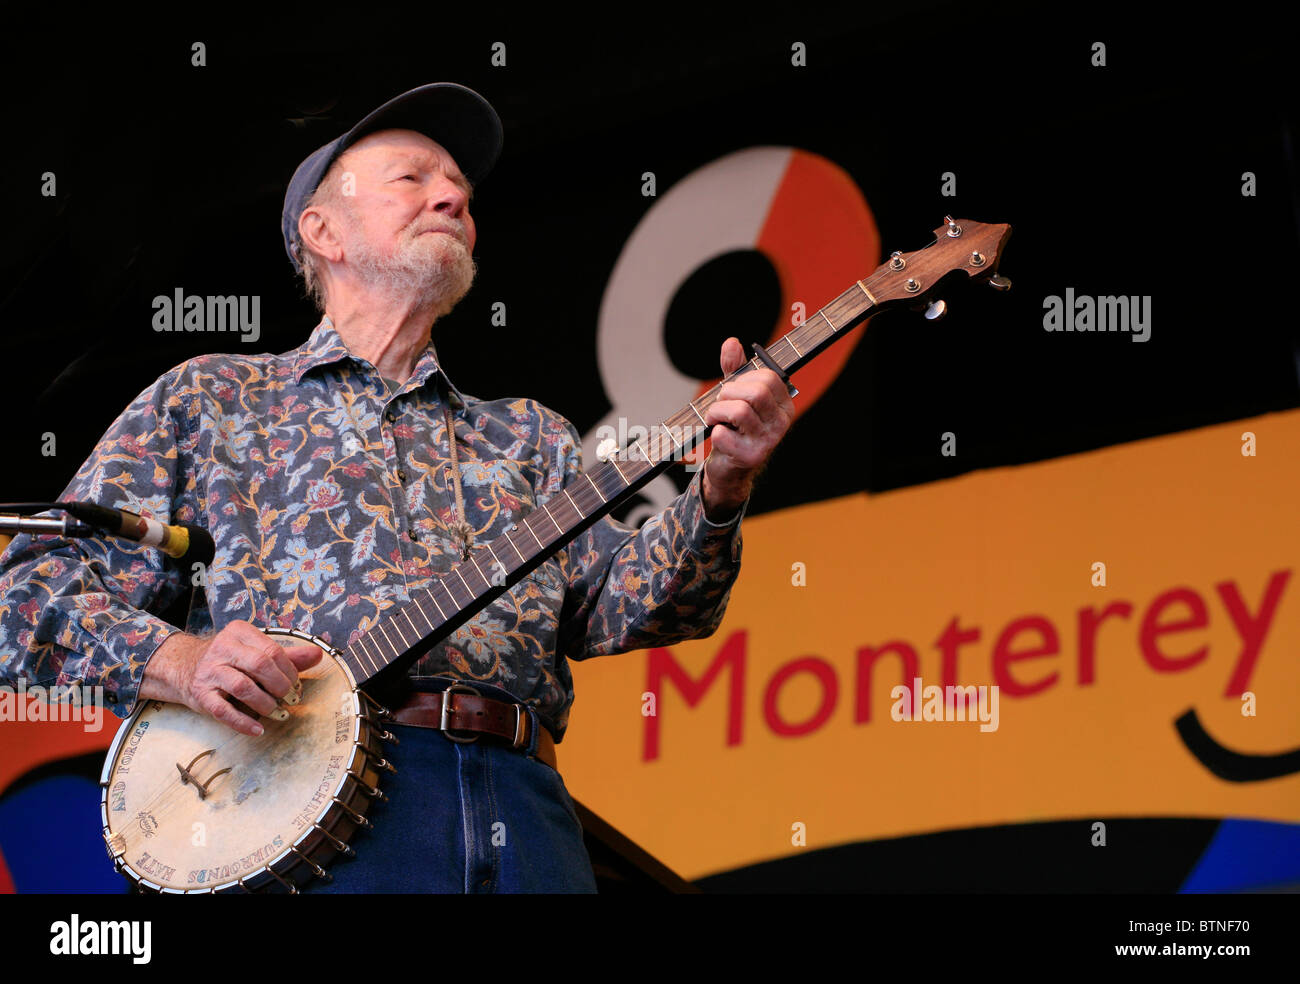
point(1152, 627)
point(1251, 630)
point(1003, 654)
point(1025, 638)
point(661, 664)
point(1088, 622)
point(948, 642)
point(819, 668)
point(867, 657)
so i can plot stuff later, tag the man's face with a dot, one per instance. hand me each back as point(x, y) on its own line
point(407, 230)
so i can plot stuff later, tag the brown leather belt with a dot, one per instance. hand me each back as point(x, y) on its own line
point(472, 715)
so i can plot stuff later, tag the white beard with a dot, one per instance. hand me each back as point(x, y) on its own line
point(435, 270)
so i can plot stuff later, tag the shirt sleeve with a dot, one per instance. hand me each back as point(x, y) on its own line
point(73, 612)
point(664, 583)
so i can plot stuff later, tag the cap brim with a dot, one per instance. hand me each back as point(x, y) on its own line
point(453, 115)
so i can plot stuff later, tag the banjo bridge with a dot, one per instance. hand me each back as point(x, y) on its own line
point(188, 777)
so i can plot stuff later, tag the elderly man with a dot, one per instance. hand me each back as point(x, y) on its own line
point(339, 478)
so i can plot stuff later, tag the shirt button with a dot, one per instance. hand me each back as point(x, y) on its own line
point(401, 474)
point(389, 416)
point(414, 534)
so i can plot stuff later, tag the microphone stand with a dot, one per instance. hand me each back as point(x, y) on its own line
point(13, 521)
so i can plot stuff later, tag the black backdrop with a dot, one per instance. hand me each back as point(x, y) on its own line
point(1118, 180)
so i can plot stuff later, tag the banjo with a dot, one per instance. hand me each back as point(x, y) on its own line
point(188, 805)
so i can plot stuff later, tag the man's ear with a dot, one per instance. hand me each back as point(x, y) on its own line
point(319, 232)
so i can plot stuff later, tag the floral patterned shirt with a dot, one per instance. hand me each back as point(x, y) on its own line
point(329, 499)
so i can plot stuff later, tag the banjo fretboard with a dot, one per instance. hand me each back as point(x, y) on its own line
point(458, 595)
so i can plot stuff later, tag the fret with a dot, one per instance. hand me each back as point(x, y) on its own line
point(822, 312)
point(361, 643)
point(697, 413)
point(511, 540)
point(436, 605)
point(582, 514)
point(699, 431)
point(448, 586)
point(410, 623)
point(641, 448)
point(614, 462)
point(384, 633)
point(376, 657)
point(546, 508)
point(463, 581)
point(867, 292)
point(398, 630)
point(473, 559)
point(445, 584)
point(504, 569)
point(587, 476)
point(790, 340)
point(529, 527)
point(423, 614)
point(359, 672)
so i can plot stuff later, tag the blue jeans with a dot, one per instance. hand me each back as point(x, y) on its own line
point(477, 817)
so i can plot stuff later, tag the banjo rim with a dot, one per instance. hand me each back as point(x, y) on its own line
point(361, 715)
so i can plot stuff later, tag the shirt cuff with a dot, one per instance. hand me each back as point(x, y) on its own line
point(705, 536)
point(139, 632)
point(729, 523)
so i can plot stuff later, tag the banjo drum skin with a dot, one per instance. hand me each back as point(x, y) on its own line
point(189, 805)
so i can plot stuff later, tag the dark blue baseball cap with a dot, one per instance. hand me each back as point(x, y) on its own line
point(453, 115)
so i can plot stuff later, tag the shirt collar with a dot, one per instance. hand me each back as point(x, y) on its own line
point(325, 347)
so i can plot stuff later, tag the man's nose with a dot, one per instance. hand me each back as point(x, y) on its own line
point(449, 198)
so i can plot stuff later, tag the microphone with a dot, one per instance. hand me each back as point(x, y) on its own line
point(64, 526)
point(183, 541)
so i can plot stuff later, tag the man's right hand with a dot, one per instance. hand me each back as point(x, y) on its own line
point(240, 661)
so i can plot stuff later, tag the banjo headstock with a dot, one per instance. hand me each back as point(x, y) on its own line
point(974, 248)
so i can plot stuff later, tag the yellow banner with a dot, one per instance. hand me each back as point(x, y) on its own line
point(778, 734)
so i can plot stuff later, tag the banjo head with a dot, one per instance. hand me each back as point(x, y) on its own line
point(190, 805)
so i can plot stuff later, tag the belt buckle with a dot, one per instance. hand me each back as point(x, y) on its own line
point(460, 688)
point(519, 741)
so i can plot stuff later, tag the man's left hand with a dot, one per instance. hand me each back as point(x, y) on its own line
point(755, 411)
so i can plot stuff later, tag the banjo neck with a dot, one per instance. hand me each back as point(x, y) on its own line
point(384, 652)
